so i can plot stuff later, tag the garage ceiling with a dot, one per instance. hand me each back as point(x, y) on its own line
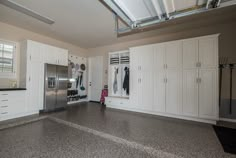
point(89, 24)
point(139, 14)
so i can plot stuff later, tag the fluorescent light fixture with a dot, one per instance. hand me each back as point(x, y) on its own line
point(26, 11)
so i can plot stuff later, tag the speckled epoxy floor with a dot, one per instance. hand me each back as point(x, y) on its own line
point(48, 139)
point(89, 130)
point(182, 138)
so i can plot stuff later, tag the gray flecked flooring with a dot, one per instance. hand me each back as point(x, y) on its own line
point(181, 138)
point(48, 139)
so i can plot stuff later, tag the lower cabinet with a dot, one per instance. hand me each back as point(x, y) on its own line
point(173, 91)
point(117, 102)
point(208, 96)
point(12, 104)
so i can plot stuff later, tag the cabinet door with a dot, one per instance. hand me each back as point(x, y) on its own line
point(208, 52)
point(190, 92)
point(134, 60)
point(190, 75)
point(146, 58)
point(159, 94)
point(146, 91)
point(173, 91)
point(35, 88)
point(190, 54)
point(159, 57)
point(134, 88)
point(35, 51)
point(141, 58)
point(174, 54)
point(50, 55)
point(208, 92)
point(159, 76)
point(62, 57)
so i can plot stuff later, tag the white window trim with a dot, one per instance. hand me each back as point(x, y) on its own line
point(10, 75)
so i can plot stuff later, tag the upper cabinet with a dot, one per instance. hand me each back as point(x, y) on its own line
point(190, 53)
point(208, 57)
point(54, 55)
point(174, 54)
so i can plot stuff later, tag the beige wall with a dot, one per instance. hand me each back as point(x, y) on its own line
point(15, 34)
point(227, 44)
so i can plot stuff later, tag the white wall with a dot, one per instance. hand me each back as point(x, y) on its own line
point(16, 34)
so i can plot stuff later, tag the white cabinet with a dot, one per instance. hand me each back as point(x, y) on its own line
point(174, 55)
point(141, 80)
point(34, 56)
point(190, 92)
point(173, 91)
point(200, 79)
point(12, 104)
point(50, 56)
point(62, 57)
point(208, 93)
point(190, 77)
point(145, 91)
point(173, 77)
point(208, 55)
point(176, 79)
point(159, 78)
point(35, 86)
point(57, 56)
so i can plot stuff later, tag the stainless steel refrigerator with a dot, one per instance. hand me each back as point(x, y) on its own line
point(55, 91)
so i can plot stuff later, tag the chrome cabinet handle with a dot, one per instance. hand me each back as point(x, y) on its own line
point(4, 106)
point(5, 100)
point(199, 80)
point(4, 94)
point(198, 64)
point(4, 113)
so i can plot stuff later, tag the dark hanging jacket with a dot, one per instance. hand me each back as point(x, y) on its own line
point(126, 81)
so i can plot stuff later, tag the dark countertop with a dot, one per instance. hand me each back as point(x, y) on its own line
point(12, 89)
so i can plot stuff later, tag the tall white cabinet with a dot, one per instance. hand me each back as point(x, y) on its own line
point(34, 56)
point(176, 79)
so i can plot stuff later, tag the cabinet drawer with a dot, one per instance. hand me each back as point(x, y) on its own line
point(12, 95)
point(12, 107)
point(117, 101)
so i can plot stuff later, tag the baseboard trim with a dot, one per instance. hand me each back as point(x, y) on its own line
point(165, 115)
point(228, 120)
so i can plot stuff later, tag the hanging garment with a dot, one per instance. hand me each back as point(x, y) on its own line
point(115, 86)
point(126, 81)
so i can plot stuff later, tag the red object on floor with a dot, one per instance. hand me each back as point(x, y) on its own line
point(103, 95)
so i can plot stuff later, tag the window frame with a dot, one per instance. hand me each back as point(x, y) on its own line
point(10, 75)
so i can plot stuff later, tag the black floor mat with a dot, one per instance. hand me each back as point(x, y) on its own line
point(227, 137)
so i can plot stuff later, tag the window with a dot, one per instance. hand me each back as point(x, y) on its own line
point(7, 59)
